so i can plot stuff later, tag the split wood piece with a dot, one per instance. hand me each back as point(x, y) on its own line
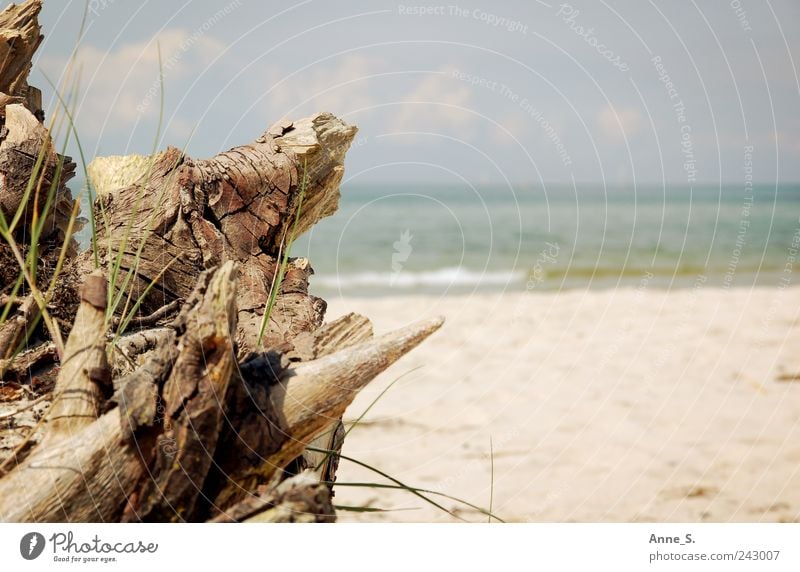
point(130, 350)
point(159, 316)
point(74, 473)
point(13, 332)
point(85, 376)
point(26, 365)
point(194, 397)
point(23, 137)
point(317, 392)
point(308, 398)
point(333, 336)
point(83, 478)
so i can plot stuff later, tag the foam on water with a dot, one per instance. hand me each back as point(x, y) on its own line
point(452, 276)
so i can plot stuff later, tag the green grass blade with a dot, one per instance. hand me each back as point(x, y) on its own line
point(491, 483)
point(286, 248)
point(399, 483)
point(84, 167)
point(347, 508)
point(420, 490)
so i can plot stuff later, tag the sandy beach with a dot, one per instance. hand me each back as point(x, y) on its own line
point(633, 404)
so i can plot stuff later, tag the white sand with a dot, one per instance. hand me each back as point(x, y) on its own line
point(618, 405)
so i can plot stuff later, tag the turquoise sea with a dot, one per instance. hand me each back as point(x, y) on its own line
point(433, 239)
point(399, 239)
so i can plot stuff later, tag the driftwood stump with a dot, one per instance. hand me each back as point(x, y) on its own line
point(172, 398)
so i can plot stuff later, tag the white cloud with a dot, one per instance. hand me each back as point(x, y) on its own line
point(619, 122)
point(438, 102)
point(119, 87)
point(339, 87)
point(404, 101)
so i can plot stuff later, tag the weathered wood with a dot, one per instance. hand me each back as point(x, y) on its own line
point(20, 36)
point(312, 393)
point(192, 397)
point(136, 344)
point(83, 478)
point(194, 418)
point(305, 401)
point(24, 141)
point(333, 336)
point(141, 322)
point(21, 413)
point(29, 362)
point(84, 378)
point(85, 375)
point(97, 471)
point(24, 136)
point(156, 468)
point(341, 333)
point(172, 216)
point(12, 332)
point(300, 498)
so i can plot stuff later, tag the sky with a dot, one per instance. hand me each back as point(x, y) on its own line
point(645, 92)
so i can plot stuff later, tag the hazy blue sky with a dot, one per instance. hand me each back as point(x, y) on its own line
point(477, 91)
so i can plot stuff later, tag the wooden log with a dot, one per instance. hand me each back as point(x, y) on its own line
point(83, 478)
point(13, 331)
point(78, 472)
point(41, 357)
point(312, 393)
point(22, 142)
point(26, 150)
point(131, 464)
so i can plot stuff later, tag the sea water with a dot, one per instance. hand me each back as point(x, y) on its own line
point(417, 238)
point(393, 239)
